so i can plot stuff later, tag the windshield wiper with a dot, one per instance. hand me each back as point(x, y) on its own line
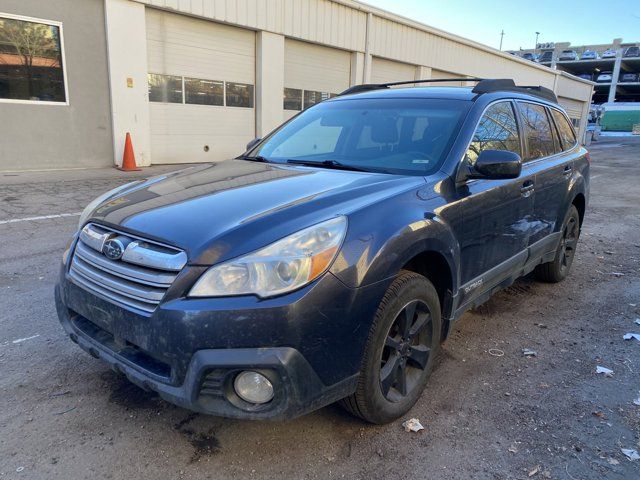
point(257, 158)
point(327, 164)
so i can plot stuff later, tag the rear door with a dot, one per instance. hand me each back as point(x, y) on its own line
point(552, 167)
point(494, 234)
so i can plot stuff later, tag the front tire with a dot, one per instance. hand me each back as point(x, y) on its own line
point(400, 351)
point(557, 270)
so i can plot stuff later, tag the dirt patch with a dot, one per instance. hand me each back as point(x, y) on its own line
point(129, 396)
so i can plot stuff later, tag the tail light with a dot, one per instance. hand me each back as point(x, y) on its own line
point(588, 157)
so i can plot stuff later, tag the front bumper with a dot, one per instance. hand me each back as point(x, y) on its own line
point(309, 344)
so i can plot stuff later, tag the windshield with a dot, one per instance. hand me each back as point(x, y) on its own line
point(400, 136)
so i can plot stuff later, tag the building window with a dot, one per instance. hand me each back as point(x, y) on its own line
point(292, 99)
point(165, 88)
point(31, 60)
point(203, 92)
point(239, 95)
point(311, 97)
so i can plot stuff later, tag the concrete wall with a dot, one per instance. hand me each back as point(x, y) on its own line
point(34, 136)
point(127, 52)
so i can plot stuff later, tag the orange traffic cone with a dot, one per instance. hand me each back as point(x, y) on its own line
point(128, 159)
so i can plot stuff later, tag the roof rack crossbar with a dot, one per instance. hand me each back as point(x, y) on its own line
point(508, 85)
point(484, 85)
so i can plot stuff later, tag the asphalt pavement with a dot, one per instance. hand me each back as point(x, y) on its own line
point(489, 411)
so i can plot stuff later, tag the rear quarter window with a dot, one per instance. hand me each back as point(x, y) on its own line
point(567, 136)
point(537, 130)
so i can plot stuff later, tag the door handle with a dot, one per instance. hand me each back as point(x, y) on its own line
point(527, 188)
point(567, 170)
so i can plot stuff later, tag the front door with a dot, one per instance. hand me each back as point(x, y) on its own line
point(494, 234)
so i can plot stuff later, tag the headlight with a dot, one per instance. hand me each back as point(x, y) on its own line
point(88, 210)
point(281, 267)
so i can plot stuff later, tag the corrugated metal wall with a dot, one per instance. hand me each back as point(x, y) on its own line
point(343, 24)
point(320, 21)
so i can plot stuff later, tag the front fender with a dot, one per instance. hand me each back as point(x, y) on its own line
point(373, 254)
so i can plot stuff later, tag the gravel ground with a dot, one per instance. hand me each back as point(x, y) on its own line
point(64, 415)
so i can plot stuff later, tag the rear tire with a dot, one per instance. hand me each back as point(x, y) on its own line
point(403, 344)
point(557, 270)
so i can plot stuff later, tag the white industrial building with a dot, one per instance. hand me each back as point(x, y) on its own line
point(195, 80)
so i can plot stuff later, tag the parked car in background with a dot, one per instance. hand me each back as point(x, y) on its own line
point(604, 77)
point(629, 77)
point(567, 55)
point(586, 76)
point(610, 53)
point(589, 55)
point(632, 52)
point(546, 57)
point(530, 56)
point(330, 260)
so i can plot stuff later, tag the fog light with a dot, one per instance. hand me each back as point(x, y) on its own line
point(253, 387)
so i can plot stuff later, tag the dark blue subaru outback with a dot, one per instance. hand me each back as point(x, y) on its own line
point(330, 261)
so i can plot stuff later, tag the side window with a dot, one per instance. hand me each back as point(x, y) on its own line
point(557, 144)
point(567, 136)
point(497, 130)
point(537, 130)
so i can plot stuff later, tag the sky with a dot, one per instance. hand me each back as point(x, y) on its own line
point(579, 22)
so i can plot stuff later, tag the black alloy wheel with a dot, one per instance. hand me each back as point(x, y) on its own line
point(557, 269)
point(403, 343)
point(406, 351)
point(569, 242)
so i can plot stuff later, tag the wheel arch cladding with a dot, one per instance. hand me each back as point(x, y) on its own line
point(434, 266)
point(579, 201)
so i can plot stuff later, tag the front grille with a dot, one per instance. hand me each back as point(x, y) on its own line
point(138, 273)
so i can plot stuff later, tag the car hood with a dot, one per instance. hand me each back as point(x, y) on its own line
point(222, 210)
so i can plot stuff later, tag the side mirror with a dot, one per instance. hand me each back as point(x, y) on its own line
point(496, 165)
point(253, 143)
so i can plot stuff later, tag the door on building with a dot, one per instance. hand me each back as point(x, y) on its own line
point(385, 71)
point(443, 74)
point(312, 73)
point(201, 88)
point(574, 110)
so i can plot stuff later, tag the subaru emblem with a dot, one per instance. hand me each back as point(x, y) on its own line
point(113, 249)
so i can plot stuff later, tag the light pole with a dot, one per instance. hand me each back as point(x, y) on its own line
point(501, 37)
point(535, 48)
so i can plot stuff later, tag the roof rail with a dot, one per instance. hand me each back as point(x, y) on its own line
point(484, 85)
point(380, 86)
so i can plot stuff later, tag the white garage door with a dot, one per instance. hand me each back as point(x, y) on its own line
point(384, 71)
point(312, 73)
point(573, 107)
point(201, 88)
point(442, 74)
